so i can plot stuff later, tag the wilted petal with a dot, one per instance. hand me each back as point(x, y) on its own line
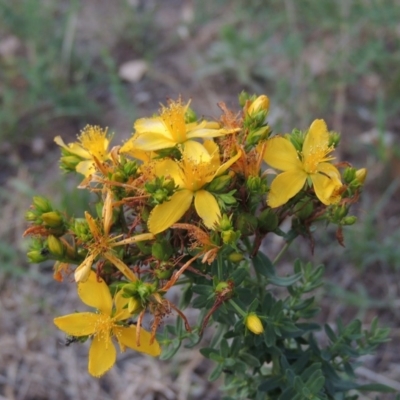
point(207, 208)
point(78, 324)
point(102, 355)
point(169, 212)
point(285, 186)
point(281, 154)
point(83, 270)
point(127, 336)
point(94, 292)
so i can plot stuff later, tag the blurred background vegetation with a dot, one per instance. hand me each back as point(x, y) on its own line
point(67, 63)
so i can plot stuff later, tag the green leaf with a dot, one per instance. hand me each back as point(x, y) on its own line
point(376, 387)
point(171, 350)
point(263, 265)
point(215, 374)
point(271, 384)
point(250, 360)
point(285, 281)
point(202, 289)
point(329, 332)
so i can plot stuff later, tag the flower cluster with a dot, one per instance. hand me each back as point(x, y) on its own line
point(184, 200)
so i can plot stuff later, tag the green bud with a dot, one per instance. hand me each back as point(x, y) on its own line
point(31, 216)
point(340, 212)
point(130, 168)
point(163, 272)
point(53, 219)
point(230, 237)
point(219, 183)
point(221, 287)
point(257, 135)
point(190, 116)
point(246, 223)
point(69, 162)
point(350, 220)
point(42, 204)
point(118, 177)
point(55, 246)
point(134, 306)
point(81, 229)
point(162, 250)
point(225, 223)
point(145, 290)
point(169, 185)
point(268, 220)
point(303, 209)
point(36, 256)
point(349, 174)
point(243, 97)
point(235, 257)
point(334, 139)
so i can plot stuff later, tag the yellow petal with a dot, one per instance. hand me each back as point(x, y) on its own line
point(94, 229)
point(207, 208)
point(169, 168)
point(195, 151)
point(326, 183)
point(317, 137)
point(155, 125)
point(121, 307)
point(95, 293)
point(285, 186)
point(124, 269)
point(281, 154)
point(73, 148)
point(102, 355)
point(208, 131)
point(150, 141)
point(127, 336)
point(78, 324)
point(227, 164)
point(86, 168)
point(166, 214)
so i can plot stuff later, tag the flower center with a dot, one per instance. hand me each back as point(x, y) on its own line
point(174, 120)
point(103, 327)
point(315, 156)
point(197, 174)
point(94, 140)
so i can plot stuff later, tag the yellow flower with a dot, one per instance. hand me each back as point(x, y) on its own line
point(93, 146)
point(170, 129)
point(190, 175)
point(254, 324)
point(103, 325)
point(103, 244)
point(311, 163)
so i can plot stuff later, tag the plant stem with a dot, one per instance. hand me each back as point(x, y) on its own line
point(237, 308)
point(282, 252)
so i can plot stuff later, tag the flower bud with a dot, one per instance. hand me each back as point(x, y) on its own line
point(268, 220)
point(36, 256)
point(230, 237)
point(55, 246)
point(220, 183)
point(134, 305)
point(334, 139)
point(53, 219)
point(255, 136)
point(42, 204)
point(31, 216)
point(221, 287)
point(350, 220)
point(304, 208)
point(235, 257)
point(361, 175)
point(190, 116)
point(69, 162)
point(261, 103)
point(254, 324)
point(349, 174)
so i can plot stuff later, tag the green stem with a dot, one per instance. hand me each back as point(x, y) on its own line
point(237, 308)
point(282, 252)
point(219, 266)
